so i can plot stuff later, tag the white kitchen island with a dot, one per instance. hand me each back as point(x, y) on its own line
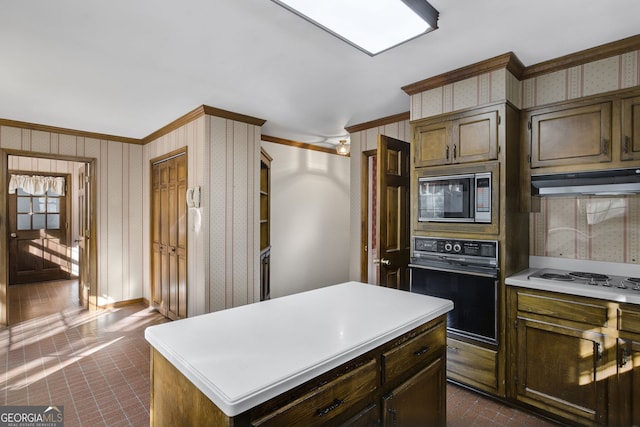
point(334, 353)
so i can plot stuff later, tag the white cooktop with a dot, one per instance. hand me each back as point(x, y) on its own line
point(583, 287)
point(244, 356)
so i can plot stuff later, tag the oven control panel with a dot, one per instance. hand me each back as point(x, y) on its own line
point(483, 251)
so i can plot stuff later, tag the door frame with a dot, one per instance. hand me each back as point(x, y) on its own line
point(364, 215)
point(4, 236)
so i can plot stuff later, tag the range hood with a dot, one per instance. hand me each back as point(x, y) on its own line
point(604, 183)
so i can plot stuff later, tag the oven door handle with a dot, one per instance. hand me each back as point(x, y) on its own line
point(493, 274)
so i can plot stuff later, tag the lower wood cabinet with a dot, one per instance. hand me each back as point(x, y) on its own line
point(419, 401)
point(576, 359)
point(627, 411)
point(400, 383)
point(562, 370)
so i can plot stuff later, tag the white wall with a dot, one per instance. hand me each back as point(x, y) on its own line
point(310, 202)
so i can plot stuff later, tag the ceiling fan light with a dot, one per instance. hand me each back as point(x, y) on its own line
point(343, 148)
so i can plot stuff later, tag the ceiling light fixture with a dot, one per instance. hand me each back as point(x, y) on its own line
point(342, 148)
point(373, 26)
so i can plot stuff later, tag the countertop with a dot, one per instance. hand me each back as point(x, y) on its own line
point(244, 356)
point(613, 293)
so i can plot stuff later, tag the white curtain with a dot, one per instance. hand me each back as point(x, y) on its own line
point(36, 185)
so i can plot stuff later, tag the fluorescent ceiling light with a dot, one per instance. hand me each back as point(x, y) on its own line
point(372, 26)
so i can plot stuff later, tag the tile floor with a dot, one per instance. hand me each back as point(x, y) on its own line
point(96, 363)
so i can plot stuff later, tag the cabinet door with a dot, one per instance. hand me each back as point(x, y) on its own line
point(561, 370)
point(475, 138)
point(629, 383)
point(420, 401)
point(433, 145)
point(571, 136)
point(630, 129)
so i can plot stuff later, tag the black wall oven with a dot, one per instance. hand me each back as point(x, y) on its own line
point(465, 272)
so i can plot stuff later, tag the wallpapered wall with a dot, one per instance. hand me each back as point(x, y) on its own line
point(593, 228)
point(583, 228)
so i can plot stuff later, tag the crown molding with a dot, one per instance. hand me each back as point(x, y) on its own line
point(584, 56)
point(66, 131)
point(508, 60)
point(198, 112)
point(378, 122)
point(298, 144)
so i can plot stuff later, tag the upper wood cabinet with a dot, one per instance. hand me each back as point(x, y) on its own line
point(630, 147)
point(467, 138)
point(567, 136)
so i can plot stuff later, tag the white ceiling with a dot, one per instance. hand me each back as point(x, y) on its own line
point(128, 68)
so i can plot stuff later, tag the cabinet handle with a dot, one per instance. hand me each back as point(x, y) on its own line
point(324, 411)
point(598, 349)
point(394, 417)
point(623, 358)
point(627, 143)
point(422, 351)
point(605, 146)
point(455, 149)
point(447, 153)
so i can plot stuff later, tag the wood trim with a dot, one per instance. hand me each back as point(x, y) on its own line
point(297, 144)
point(589, 55)
point(379, 122)
point(364, 214)
point(508, 60)
point(125, 303)
point(212, 111)
point(196, 114)
point(511, 62)
point(4, 244)
point(66, 131)
point(177, 123)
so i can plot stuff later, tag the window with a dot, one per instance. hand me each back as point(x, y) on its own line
point(38, 212)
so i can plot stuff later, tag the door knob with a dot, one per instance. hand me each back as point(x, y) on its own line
point(14, 235)
point(382, 261)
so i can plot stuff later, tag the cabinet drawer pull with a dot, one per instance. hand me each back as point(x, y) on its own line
point(334, 405)
point(422, 351)
point(455, 149)
point(605, 146)
point(627, 143)
point(447, 152)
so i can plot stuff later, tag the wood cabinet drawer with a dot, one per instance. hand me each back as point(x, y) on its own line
point(329, 400)
point(473, 365)
point(593, 313)
point(412, 353)
point(629, 320)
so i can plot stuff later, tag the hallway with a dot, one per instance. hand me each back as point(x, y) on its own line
point(96, 364)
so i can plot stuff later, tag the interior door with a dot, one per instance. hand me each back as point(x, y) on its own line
point(84, 191)
point(169, 236)
point(393, 213)
point(38, 232)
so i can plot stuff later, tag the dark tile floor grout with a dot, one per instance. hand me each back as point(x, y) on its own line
point(96, 363)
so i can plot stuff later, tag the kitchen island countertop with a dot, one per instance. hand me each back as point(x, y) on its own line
point(244, 356)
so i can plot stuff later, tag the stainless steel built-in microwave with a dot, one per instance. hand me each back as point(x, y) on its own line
point(455, 198)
